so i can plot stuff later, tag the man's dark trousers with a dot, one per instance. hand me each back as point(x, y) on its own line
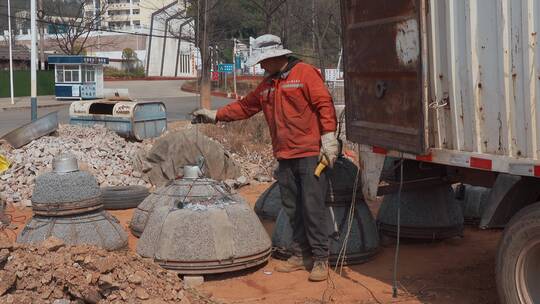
point(303, 196)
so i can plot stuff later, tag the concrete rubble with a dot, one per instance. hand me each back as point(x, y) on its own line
point(100, 151)
point(56, 273)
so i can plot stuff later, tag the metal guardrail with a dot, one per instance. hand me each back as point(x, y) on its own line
point(337, 90)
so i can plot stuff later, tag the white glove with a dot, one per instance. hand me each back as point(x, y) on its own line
point(204, 116)
point(329, 148)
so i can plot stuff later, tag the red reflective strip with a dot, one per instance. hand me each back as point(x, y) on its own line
point(481, 163)
point(380, 150)
point(426, 158)
point(536, 170)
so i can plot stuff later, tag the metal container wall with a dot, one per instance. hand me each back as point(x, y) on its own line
point(33, 130)
point(483, 63)
point(459, 78)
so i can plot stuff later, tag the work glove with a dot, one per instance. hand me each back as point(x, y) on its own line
point(329, 148)
point(204, 116)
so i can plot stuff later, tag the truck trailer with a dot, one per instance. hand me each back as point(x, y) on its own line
point(455, 86)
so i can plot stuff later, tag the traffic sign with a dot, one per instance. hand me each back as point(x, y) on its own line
point(225, 68)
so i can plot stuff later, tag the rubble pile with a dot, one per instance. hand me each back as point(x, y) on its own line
point(56, 273)
point(253, 152)
point(100, 151)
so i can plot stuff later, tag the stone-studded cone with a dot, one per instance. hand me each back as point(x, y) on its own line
point(426, 214)
point(67, 193)
point(203, 230)
point(363, 240)
point(67, 205)
point(170, 195)
point(93, 228)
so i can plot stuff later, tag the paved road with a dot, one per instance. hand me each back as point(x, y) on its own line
point(179, 104)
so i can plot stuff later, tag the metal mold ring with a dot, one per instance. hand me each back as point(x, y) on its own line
point(61, 209)
point(214, 267)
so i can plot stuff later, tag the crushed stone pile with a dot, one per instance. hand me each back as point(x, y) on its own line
point(56, 273)
point(99, 150)
point(256, 159)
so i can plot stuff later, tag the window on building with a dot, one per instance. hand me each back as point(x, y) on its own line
point(136, 11)
point(67, 73)
point(59, 73)
point(88, 74)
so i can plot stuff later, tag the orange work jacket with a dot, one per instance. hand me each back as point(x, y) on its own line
point(297, 106)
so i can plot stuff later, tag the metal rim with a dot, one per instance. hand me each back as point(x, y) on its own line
point(60, 209)
point(527, 276)
point(424, 233)
point(65, 163)
point(213, 267)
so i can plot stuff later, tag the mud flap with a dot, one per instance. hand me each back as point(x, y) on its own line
point(371, 165)
point(509, 194)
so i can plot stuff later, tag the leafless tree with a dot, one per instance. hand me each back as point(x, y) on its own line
point(323, 24)
point(268, 8)
point(72, 24)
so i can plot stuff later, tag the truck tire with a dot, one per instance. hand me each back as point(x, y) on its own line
point(123, 197)
point(518, 259)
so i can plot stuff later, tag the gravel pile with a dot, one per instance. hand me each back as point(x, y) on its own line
point(56, 273)
point(100, 151)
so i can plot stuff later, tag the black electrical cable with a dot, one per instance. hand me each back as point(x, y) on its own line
point(396, 256)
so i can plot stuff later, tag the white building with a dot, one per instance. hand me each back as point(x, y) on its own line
point(167, 54)
point(127, 14)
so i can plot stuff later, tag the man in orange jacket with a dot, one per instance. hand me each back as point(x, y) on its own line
point(302, 120)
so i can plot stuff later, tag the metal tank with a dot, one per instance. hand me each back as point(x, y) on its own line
point(473, 202)
point(427, 214)
point(196, 227)
point(67, 205)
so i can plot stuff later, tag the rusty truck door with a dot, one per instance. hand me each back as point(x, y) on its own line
point(383, 73)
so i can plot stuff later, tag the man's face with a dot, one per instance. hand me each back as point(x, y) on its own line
point(272, 65)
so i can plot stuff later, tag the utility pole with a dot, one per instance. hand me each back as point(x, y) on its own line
point(33, 63)
point(10, 54)
point(206, 101)
point(41, 37)
point(234, 67)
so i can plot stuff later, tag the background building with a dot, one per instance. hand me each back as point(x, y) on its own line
point(128, 14)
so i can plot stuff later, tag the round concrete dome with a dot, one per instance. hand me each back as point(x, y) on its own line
point(57, 194)
point(95, 228)
point(430, 214)
point(363, 241)
point(179, 191)
point(200, 232)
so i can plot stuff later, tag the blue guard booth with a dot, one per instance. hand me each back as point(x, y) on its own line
point(78, 77)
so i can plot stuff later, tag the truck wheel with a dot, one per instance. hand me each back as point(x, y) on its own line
point(518, 259)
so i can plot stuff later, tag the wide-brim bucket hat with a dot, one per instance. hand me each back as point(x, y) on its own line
point(264, 47)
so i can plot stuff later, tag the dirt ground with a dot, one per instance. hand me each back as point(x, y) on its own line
point(452, 271)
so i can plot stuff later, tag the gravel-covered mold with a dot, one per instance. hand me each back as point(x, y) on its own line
point(69, 187)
